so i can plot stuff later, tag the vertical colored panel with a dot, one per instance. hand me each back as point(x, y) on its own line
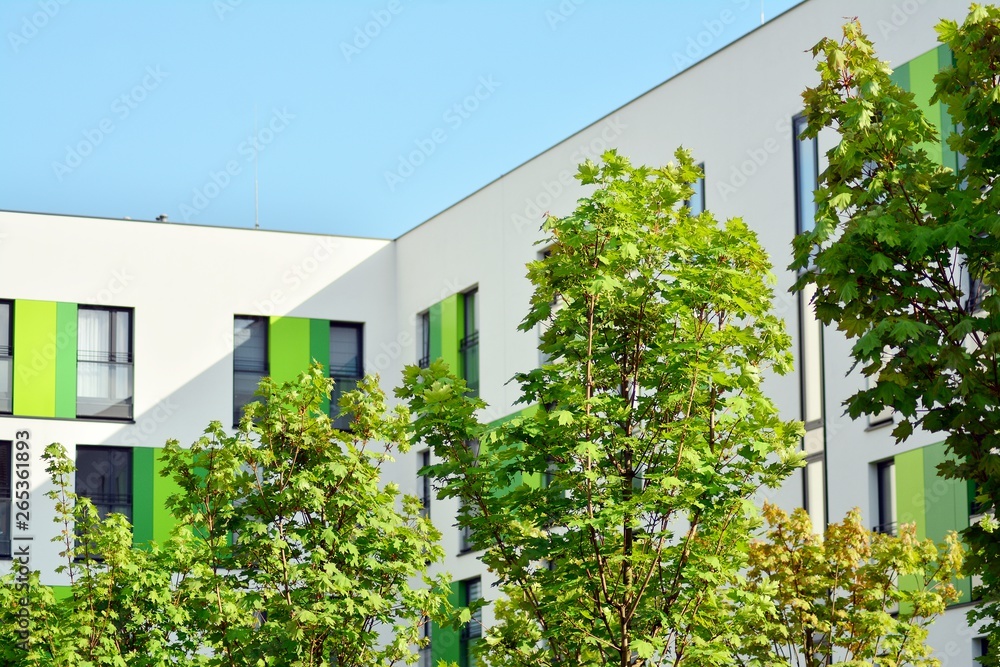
point(288, 347)
point(62, 592)
point(922, 71)
point(946, 506)
point(434, 323)
point(66, 347)
point(445, 641)
point(460, 333)
point(35, 358)
point(910, 490)
point(445, 333)
point(949, 157)
point(142, 494)
point(319, 349)
point(901, 76)
point(163, 488)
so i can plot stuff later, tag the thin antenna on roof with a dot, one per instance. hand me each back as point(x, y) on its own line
point(762, 12)
point(256, 206)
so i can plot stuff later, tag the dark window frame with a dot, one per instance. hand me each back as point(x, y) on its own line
point(263, 371)
point(886, 523)
point(129, 360)
point(6, 498)
point(469, 344)
point(342, 375)
point(799, 123)
point(424, 327)
point(472, 631)
point(424, 483)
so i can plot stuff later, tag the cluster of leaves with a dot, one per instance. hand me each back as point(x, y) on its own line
point(617, 516)
point(898, 244)
point(287, 550)
point(851, 598)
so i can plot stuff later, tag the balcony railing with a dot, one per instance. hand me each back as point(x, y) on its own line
point(885, 528)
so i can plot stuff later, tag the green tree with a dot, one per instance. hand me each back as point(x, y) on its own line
point(617, 516)
point(837, 598)
point(904, 254)
point(288, 551)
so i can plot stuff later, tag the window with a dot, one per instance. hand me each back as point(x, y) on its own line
point(806, 156)
point(470, 591)
point(469, 347)
point(980, 648)
point(249, 360)
point(425, 340)
point(813, 411)
point(104, 475)
point(345, 366)
point(697, 202)
point(104, 363)
point(886, 489)
point(6, 482)
point(425, 648)
point(424, 483)
point(466, 536)
point(6, 358)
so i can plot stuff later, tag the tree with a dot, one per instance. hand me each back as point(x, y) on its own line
point(288, 550)
point(904, 255)
point(838, 599)
point(617, 515)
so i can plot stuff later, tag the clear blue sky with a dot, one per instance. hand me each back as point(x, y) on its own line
point(123, 108)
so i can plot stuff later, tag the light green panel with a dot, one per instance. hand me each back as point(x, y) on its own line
point(445, 334)
point(445, 641)
point(901, 76)
point(35, 358)
point(66, 346)
point(910, 490)
point(948, 156)
point(922, 71)
point(62, 592)
point(288, 347)
point(945, 506)
point(163, 488)
point(143, 479)
point(319, 349)
point(460, 333)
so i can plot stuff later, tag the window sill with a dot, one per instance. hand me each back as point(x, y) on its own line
point(106, 420)
point(880, 425)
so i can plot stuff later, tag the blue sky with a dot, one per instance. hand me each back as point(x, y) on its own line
point(371, 116)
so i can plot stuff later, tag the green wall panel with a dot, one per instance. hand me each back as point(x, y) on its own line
point(35, 358)
point(288, 347)
point(66, 346)
point(163, 488)
point(62, 592)
point(922, 71)
point(910, 489)
point(143, 479)
point(319, 348)
point(445, 332)
point(901, 76)
point(948, 156)
point(445, 641)
point(945, 506)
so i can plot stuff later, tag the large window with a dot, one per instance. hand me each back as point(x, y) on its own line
point(6, 483)
point(249, 360)
point(345, 366)
point(886, 489)
point(104, 363)
point(425, 340)
point(469, 347)
point(6, 358)
point(470, 591)
point(806, 177)
point(104, 475)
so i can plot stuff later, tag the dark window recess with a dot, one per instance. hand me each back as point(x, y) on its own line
point(6, 483)
point(697, 202)
point(104, 363)
point(250, 361)
point(425, 659)
point(6, 358)
point(345, 367)
point(424, 484)
point(806, 177)
point(471, 590)
point(886, 473)
point(425, 340)
point(104, 475)
point(469, 346)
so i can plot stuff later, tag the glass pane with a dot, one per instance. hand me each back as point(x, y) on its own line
point(94, 334)
point(6, 384)
point(697, 202)
point(815, 495)
point(341, 386)
point(4, 328)
point(250, 344)
point(471, 363)
point(805, 178)
point(811, 360)
point(122, 336)
point(244, 385)
point(471, 312)
point(104, 475)
point(887, 497)
point(345, 351)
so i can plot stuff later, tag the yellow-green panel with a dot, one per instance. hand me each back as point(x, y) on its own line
point(445, 334)
point(910, 490)
point(35, 358)
point(946, 506)
point(66, 347)
point(922, 71)
point(62, 592)
point(288, 347)
point(319, 350)
point(163, 488)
